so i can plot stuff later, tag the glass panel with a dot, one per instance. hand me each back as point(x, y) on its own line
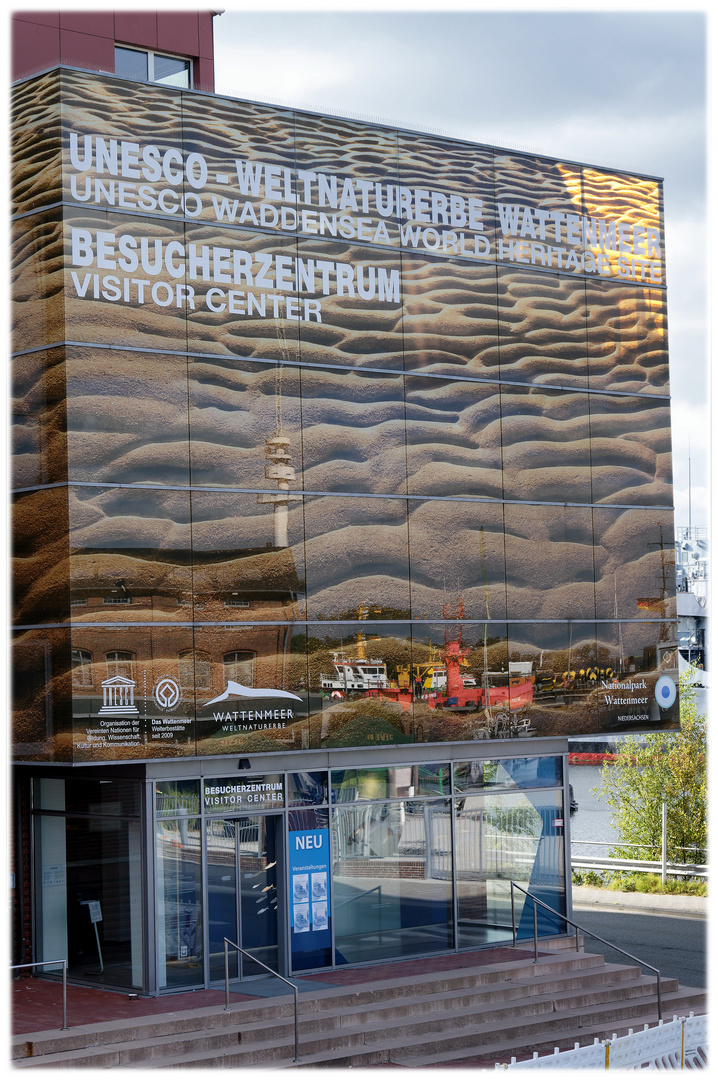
point(627, 338)
point(357, 553)
point(502, 838)
point(170, 71)
point(35, 138)
point(177, 798)
point(133, 705)
point(549, 562)
point(539, 204)
point(526, 772)
point(639, 694)
point(546, 450)
point(341, 450)
point(310, 900)
point(453, 437)
point(307, 788)
point(36, 309)
point(50, 858)
point(631, 450)
point(222, 896)
point(106, 300)
point(635, 564)
point(248, 553)
point(347, 176)
point(457, 558)
point(266, 709)
point(361, 671)
point(626, 218)
point(256, 843)
point(542, 328)
point(553, 674)
point(392, 880)
point(40, 549)
point(179, 903)
point(245, 424)
point(461, 682)
point(130, 554)
point(228, 794)
point(448, 321)
point(41, 686)
point(408, 781)
point(131, 64)
point(102, 798)
point(350, 305)
point(89, 897)
point(113, 400)
point(92, 165)
point(39, 441)
point(446, 197)
point(252, 185)
point(244, 298)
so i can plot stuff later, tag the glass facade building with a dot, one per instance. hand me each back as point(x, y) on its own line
point(329, 439)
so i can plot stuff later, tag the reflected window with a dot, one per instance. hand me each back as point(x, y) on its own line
point(176, 798)
point(194, 670)
point(239, 666)
point(525, 772)
point(120, 663)
point(81, 667)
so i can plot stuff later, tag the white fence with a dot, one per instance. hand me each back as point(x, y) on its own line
point(680, 1044)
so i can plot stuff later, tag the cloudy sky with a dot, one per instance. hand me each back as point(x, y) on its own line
point(619, 89)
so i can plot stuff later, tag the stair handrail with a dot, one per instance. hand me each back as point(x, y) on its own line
point(271, 971)
point(351, 899)
point(44, 963)
point(583, 930)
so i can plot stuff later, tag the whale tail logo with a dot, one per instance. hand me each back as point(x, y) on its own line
point(236, 689)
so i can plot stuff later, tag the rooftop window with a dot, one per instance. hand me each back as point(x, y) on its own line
point(143, 66)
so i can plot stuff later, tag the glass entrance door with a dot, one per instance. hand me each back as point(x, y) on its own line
point(245, 894)
point(259, 901)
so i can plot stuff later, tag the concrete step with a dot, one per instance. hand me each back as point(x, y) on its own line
point(422, 1014)
point(432, 1019)
point(525, 1035)
point(37, 1044)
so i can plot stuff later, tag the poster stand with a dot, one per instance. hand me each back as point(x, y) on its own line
point(95, 912)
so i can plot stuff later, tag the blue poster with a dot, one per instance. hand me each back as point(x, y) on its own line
point(309, 896)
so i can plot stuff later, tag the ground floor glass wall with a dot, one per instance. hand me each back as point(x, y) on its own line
point(354, 866)
point(305, 871)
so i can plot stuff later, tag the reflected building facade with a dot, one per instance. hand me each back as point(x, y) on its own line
point(341, 453)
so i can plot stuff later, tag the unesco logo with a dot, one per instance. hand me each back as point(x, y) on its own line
point(167, 694)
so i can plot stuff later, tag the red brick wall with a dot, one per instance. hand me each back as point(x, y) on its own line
point(20, 856)
point(86, 39)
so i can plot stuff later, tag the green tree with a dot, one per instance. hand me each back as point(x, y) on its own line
point(667, 767)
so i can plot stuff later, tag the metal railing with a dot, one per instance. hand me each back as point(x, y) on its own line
point(271, 971)
point(570, 922)
point(45, 963)
point(613, 862)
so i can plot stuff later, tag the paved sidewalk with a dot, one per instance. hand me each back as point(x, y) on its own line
point(695, 907)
